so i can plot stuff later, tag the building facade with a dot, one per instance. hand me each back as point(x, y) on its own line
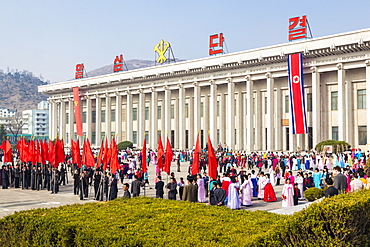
point(241, 99)
point(36, 122)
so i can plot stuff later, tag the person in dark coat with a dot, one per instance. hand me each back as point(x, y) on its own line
point(38, 178)
point(5, 177)
point(104, 186)
point(28, 177)
point(331, 190)
point(190, 191)
point(55, 181)
point(76, 181)
point(126, 192)
point(159, 188)
point(48, 174)
point(135, 187)
point(33, 178)
point(172, 189)
point(23, 177)
point(63, 174)
point(83, 186)
point(340, 180)
point(97, 180)
point(17, 176)
point(220, 195)
point(212, 199)
point(113, 190)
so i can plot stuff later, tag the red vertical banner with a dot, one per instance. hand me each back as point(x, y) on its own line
point(296, 89)
point(79, 71)
point(77, 104)
point(212, 161)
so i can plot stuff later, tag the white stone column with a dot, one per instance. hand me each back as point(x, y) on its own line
point(197, 126)
point(62, 119)
point(240, 118)
point(292, 137)
point(108, 113)
point(71, 116)
point(88, 118)
point(98, 109)
point(129, 121)
point(270, 112)
point(118, 117)
point(258, 115)
point(206, 119)
point(191, 123)
point(154, 119)
point(250, 121)
point(167, 113)
point(141, 119)
point(341, 103)
point(181, 119)
point(316, 107)
point(279, 113)
point(230, 136)
point(52, 123)
point(222, 118)
point(213, 112)
point(175, 124)
point(349, 113)
point(367, 62)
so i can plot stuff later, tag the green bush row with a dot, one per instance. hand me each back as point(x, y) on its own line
point(338, 146)
point(342, 220)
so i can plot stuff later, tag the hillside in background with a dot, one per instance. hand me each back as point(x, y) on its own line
point(18, 90)
point(131, 64)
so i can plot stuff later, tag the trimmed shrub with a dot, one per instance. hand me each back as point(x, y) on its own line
point(124, 145)
point(338, 146)
point(313, 194)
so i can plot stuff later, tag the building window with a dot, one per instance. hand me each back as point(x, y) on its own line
point(265, 105)
point(235, 135)
point(218, 108)
point(134, 114)
point(254, 104)
point(159, 112)
point(102, 135)
point(334, 133)
point(103, 116)
point(113, 134)
point(309, 102)
point(93, 137)
point(334, 100)
point(361, 99)
point(146, 113)
point(201, 109)
point(286, 104)
point(172, 111)
point(235, 107)
point(134, 137)
point(186, 110)
point(67, 118)
point(218, 136)
point(362, 135)
point(84, 117)
point(93, 116)
point(113, 115)
point(147, 136)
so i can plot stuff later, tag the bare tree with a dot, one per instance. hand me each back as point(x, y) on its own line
point(15, 125)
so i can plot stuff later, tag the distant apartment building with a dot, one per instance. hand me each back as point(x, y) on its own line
point(5, 115)
point(36, 121)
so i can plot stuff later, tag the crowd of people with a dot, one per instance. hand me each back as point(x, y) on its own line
point(242, 177)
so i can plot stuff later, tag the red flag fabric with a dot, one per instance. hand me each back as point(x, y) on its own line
point(38, 152)
point(100, 157)
point(143, 157)
point(195, 165)
point(168, 157)
point(89, 157)
point(52, 153)
point(212, 161)
point(76, 157)
point(59, 152)
point(31, 152)
point(7, 148)
point(77, 103)
point(160, 153)
point(114, 166)
point(105, 155)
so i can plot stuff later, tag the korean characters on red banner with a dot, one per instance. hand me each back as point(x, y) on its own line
point(118, 64)
point(79, 71)
point(297, 28)
point(216, 43)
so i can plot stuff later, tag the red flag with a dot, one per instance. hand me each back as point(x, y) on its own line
point(195, 165)
point(89, 157)
point(105, 155)
point(59, 152)
point(7, 148)
point(76, 157)
point(45, 151)
point(212, 161)
point(160, 154)
point(168, 157)
point(77, 103)
point(52, 153)
point(114, 166)
point(100, 157)
point(38, 152)
point(143, 157)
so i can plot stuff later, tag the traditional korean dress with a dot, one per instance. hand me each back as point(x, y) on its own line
point(247, 192)
point(288, 192)
point(201, 191)
point(269, 195)
point(233, 201)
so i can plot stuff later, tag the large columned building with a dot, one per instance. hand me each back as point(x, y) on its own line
point(240, 99)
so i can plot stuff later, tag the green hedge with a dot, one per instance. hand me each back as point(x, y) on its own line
point(342, 220)
point(338, 146)
point(124, 145)
point(313, 194)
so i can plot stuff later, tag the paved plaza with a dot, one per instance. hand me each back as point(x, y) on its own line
point(13, 200)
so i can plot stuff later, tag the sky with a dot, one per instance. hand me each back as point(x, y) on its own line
point(49, 38)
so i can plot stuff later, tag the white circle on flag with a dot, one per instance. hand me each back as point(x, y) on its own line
point(296, 79)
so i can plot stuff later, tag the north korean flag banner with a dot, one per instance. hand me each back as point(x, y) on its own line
point(296, 89)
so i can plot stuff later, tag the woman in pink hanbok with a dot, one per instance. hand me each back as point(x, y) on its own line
point(233, 200)
point(287, 194)
point(247, 191)
point(201, 189)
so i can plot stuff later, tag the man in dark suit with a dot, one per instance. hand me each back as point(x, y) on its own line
point(340, 181)
point(190, 191)
point(220, 195)
point(126, 193)
point(135, 187)
point(331, 190)
point(159, 188)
